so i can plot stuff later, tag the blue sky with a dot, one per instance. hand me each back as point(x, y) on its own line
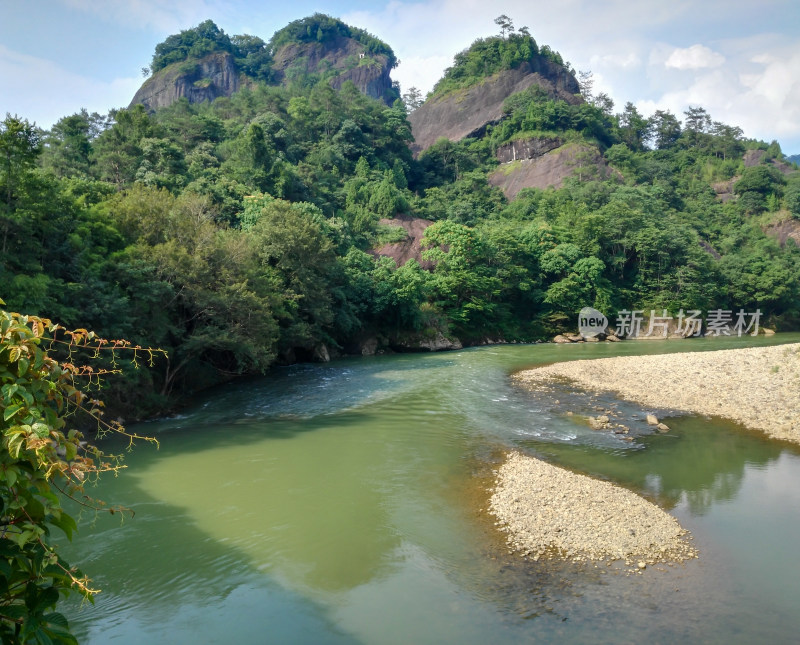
point(738, 59)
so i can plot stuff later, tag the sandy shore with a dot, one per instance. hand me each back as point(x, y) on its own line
point(550, 511)
point(758, 387)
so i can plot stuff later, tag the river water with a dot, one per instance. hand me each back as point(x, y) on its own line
point(342, 503)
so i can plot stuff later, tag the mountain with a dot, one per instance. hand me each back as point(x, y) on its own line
point(204, 63)
point(464, 112)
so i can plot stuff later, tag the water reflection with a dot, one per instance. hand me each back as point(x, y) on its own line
point(700, 461)
point(328, 504)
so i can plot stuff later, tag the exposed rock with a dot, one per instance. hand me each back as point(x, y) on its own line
point(440, 342)
point(662, 427)
point(369, 73)
point(724, 189)
point(426, 342)
point(206, 79)
point(783, 167)
point(561, 339)
point(217, 74)
point(462, 113)
point(551, 169)
point(369, 346)
point(652, 420)
point(409, 248)
point(527, 148)
point(754, 158)
point(784, 231)
point(321, 354)
point(599, 423)
point(710, 250)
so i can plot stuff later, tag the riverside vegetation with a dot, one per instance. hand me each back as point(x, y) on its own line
point(236, 234)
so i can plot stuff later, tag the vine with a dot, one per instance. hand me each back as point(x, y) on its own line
point(45, 383)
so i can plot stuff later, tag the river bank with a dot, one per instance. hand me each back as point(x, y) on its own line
point(758, 387)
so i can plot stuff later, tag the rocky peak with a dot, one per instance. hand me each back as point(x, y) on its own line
point(309, 50)
point(467, 112)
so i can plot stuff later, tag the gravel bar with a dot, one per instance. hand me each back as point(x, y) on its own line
point(553, 512)
point(758, 387)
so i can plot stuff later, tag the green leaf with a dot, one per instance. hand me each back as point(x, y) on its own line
point(9, 390)
point(41, 430)
point(11, 476)
point(66, 523)
point(22, 367)
point(25, 395)
point(56, 619)
point(11, 410)
point(15, 612)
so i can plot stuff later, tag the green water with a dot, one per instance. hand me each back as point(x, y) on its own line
point(340, 503)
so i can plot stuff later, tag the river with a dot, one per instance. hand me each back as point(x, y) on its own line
point(342, 503)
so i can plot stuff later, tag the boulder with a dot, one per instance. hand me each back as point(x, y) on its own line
point(369, 346)
point(321, 354)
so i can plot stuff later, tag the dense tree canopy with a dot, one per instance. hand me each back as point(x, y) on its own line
point(238, 233)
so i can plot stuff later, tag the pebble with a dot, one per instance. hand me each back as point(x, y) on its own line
point(758, 387)
point(552, 512)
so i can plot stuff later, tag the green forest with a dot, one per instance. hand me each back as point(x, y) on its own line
point(236, 234)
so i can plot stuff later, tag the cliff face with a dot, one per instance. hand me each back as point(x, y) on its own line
point(461, 113)
point(345, 57)
point(550, 168)
point(527, 148)
point(204, 80)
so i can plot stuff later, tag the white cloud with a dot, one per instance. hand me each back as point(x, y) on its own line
point(44, 92)
point(694, 57)
point(764, 102)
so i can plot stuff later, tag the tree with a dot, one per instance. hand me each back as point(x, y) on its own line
point(291, 240)
point(44, 459)
point(505, 23)
point(69, 146)
point(634, 129)
point(697, 123)
point(412, 99)
point(20, 146)
point(665, 129)
point(586, 83)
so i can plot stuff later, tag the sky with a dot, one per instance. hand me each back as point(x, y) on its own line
point(739, 59)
